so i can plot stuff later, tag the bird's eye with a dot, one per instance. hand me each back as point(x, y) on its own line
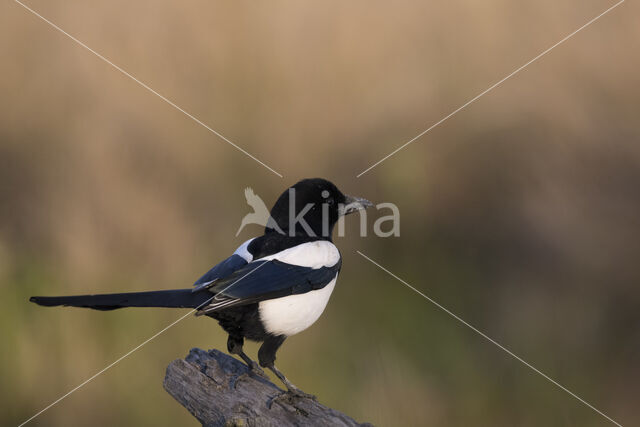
point(325, 195)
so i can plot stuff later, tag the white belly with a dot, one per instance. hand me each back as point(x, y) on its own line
point(294, 313)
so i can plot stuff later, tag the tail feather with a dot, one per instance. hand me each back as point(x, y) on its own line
point(179, 298)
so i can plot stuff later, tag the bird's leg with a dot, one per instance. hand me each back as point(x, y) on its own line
point(267, 357)
point(234, 345)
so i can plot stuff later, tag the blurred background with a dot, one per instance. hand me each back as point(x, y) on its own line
point(521, 213)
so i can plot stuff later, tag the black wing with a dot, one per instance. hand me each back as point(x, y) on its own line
point(219, 271)
point(262, 280)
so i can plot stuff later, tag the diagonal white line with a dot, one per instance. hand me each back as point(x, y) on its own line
point(491, 340)
point(134, 349)
point(107, 367)
point(165, 99)
point(493, 86)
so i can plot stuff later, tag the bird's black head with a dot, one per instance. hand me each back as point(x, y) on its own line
point(312, 207)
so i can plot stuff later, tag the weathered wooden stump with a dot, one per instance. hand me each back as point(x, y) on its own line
point(212, 387)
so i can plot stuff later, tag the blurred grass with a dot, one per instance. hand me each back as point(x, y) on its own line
point(520, 213)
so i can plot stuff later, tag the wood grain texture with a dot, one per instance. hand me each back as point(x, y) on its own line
point(212, 387)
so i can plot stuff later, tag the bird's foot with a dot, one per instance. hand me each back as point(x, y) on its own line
point(254, 371)
point(291, 396)
point(299, 394)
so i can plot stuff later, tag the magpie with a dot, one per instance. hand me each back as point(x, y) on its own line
point(272, 287)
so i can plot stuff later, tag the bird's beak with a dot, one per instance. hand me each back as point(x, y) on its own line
point(353, 204)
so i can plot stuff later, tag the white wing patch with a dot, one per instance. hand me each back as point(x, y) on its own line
point(320, 253)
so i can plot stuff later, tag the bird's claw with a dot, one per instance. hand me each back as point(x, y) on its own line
point(290, 396)
point(297, 393)
point(256, 370)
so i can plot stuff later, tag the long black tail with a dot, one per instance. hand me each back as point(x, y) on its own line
point(179, 298)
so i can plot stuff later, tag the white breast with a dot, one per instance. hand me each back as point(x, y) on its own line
point(294, 313)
